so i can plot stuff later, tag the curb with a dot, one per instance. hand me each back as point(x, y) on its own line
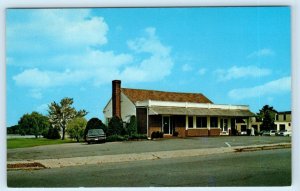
point(76, 161)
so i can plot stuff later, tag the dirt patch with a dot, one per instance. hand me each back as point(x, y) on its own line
point(25, 165)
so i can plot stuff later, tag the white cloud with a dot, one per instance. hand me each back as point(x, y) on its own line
point(43, 30)
point(261, 53)
point(36, 78)
point(101, 67)
point(58, 47)
point(186, 68)
point(236, 72)
point(202, 71)
point(278, 86)
point(153, 68)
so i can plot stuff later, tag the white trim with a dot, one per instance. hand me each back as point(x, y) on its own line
point(190, 105)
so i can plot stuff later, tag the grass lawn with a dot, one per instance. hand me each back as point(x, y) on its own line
point(31, 142)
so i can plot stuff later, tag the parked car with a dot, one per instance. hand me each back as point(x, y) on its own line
point(95, 135)
point(273, 132)
point(243, 133)
point(261, 132)
point(284, 133)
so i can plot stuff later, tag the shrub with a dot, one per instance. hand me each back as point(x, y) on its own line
point(132, 126)
point(115, 127)
point(175, 133)
point(157, 134)
point(138, 136)
point(53, 133)
point(75, 128)
point(114, 138)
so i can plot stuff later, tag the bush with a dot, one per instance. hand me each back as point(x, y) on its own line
point(114, 138)
point(175, 134)
point(138, 136)
point(53, 133)
point(75, 128)
point(157, 134)
point(115, 127)
point(132, 126)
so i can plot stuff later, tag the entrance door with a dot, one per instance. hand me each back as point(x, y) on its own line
point(166, 125)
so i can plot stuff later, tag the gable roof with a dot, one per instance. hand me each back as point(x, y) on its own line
point(141, 95)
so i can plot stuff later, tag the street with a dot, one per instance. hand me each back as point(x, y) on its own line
point(256, 168)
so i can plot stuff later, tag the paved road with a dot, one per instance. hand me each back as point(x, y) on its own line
point(258, 168)
point(83, 149)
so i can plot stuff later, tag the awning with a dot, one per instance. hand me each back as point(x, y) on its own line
point(199, 111)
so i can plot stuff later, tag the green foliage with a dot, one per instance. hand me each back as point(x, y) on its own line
point(115, 127)
point(75, 128)
point(53, 133)
point(13, 129)
point(132, 126)
point(136, 136)
point(33, 124)
point(157, 134)
point(113, 138)
point(60, 114)
point(267, 116)
point(94, 123)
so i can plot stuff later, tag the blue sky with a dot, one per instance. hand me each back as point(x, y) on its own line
point(237, 55)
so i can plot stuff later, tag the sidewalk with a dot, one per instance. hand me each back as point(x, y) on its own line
point(87, 160)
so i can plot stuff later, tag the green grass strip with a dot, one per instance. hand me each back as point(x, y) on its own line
point(31, 142)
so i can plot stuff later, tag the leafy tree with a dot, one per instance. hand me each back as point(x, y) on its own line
point(132, 126)
point(94, 123)
point(13, 129)
point(267, 116)
point(75, 128)
point(61, 113)
point(33, 124)
point(115, 126)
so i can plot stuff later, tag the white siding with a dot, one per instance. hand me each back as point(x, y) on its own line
point(107, 111)
point(127, 108)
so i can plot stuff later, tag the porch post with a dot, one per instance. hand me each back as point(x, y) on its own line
point(208, 122)
point(186, 122)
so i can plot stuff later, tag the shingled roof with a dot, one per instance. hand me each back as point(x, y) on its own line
point(140, 95)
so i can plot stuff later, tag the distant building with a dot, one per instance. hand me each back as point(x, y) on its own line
point(282, 121)
point(189, 114)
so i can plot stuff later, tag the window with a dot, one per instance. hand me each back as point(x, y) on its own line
point(284, 117)
point(277, 117)
point(201, 122)
point(214, 122)
point(190, 120)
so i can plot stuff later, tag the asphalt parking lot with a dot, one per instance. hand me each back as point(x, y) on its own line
point(83, 149)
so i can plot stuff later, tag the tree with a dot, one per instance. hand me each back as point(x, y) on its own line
point(132, 126)
point(13, 129)
point(115, 126)
point(61, 114)
point(33, 124)
point(75, 128)
point(267, 116)
point(94, 123)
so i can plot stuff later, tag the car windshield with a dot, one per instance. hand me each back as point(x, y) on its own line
point(95, 132)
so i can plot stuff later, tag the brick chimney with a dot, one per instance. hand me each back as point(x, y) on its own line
point(116, 98)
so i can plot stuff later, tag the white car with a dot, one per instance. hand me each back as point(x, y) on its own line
point(273, 132)
point(285, 133)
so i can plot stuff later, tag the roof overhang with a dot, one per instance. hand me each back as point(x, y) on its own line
point(200, 111)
